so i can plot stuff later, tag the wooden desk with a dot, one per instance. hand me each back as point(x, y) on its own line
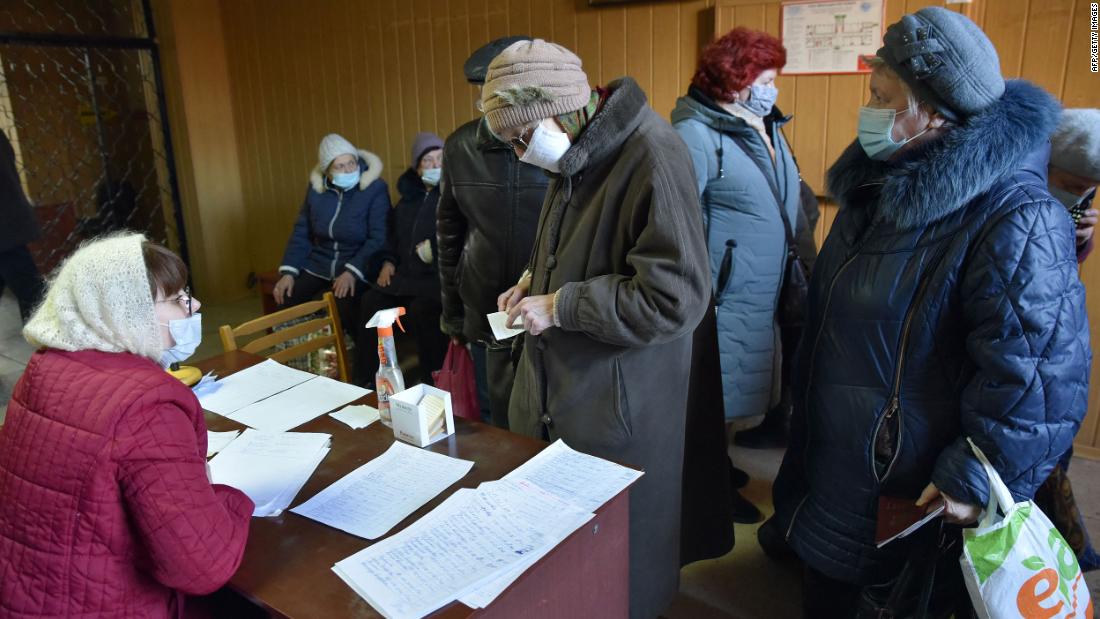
point(287, 566)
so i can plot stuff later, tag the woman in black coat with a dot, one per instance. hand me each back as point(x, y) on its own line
point(408, 274)
point(17, 268)
point(944, 306)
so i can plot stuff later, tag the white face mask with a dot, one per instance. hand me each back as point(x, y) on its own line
point(187, 334)
point(546, 148)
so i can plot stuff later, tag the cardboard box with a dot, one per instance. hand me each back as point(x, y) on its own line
point(419, 420)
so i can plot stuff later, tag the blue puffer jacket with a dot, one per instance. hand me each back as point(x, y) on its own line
point(339, 230)
point(740, 199)
point(962, 242)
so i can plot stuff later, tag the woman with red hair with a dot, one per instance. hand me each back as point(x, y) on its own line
point(749, 190)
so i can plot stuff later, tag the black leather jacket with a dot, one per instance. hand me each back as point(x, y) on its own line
point(488, 213)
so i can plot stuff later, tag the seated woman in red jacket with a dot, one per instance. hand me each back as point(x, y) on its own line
point(106, 507)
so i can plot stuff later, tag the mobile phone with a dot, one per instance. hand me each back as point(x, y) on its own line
point(1081, 205)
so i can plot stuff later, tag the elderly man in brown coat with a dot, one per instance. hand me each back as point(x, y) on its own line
point(617, 283)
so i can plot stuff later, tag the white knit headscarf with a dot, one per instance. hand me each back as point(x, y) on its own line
point(99, 300)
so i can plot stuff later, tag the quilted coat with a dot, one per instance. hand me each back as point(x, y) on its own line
point(740, 192)
point(105, 507)
point(339, 230)
point(961, 241)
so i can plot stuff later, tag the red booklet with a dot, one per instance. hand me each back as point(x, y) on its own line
point(898, 517)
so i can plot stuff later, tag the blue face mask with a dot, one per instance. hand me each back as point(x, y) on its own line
point(876, 132)
point(345, 180)
point(431, 176)
point(761, 99)
point(187, 334)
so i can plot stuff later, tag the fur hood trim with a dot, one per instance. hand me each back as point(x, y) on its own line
point(946, 175)
point(367, 175)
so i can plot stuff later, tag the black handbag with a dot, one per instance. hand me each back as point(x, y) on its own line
point(923, 589)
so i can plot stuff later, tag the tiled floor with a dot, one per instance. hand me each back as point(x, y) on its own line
point(744, 584)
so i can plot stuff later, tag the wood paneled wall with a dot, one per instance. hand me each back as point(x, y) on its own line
point(379, 71)
point(200, 113)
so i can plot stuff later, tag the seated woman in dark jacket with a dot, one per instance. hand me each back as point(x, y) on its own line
point(408, 275)
point(342, 223)
point(944, 305)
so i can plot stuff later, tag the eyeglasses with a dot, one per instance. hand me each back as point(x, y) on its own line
point(351, 166)
point(183, 300)
point(524, 139)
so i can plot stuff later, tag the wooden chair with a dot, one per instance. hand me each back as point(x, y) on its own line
point(229, 334)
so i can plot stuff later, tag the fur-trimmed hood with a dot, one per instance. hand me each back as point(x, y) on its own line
point(946, 175)
point(370, 169)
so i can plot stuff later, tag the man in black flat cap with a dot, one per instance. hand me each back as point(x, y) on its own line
point(488, 211)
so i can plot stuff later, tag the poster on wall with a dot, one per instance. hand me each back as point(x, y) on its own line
point(831, 36)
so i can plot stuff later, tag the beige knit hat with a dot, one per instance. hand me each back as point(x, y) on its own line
point(532, 80)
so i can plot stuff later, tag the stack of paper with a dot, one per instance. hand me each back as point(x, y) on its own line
point(477, 542)
point(372, 499)
point(216, 441)
point(270, 467)
point(581, 480)
point(250, 385)
point(273, 397)
point(467, 540)
point(356, 417)
point(297, 405)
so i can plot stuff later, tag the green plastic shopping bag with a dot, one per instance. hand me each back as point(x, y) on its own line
point(1016, 564)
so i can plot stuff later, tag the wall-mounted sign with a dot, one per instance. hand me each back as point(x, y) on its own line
point(831, 36)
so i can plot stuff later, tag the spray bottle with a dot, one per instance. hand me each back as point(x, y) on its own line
point(388, 380)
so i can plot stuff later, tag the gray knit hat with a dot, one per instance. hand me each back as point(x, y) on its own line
point(1075, 145)
point(332, 146)
point(532, 80)
point(946, 60)
point(424, 142)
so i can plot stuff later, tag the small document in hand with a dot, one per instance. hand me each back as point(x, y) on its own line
point(270, 467)
point(375, 497)
point(250, 385)
point(299, 404)
point(467, 540)
point(498, 321)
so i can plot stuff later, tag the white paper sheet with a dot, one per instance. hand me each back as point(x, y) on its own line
point(217, 441)
point(250, 385)
point(357, 417)
point(270, 467)
point(498, 321)
point(375, 497)
point(298, 405)
point(468, 540)
point(489, 590)
point(583, 480)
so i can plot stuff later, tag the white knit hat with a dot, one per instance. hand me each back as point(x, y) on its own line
point(99, 300)
point(332, 146)
point(1075, 145)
